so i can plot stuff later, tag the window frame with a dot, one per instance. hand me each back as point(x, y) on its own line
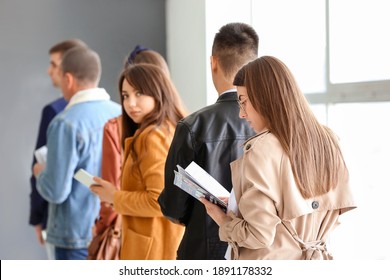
point(354, 92)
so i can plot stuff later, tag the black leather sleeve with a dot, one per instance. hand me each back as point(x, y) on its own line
point(175, 203)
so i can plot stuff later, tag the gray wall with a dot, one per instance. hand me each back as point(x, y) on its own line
point(27, 30)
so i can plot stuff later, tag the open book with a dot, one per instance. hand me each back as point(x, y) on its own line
point(198, 183)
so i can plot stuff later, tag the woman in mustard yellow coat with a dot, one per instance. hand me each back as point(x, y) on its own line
point(151, 107)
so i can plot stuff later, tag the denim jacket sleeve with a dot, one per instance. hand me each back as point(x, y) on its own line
point(54, 183)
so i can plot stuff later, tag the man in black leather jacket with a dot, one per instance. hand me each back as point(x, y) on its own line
point(211, 137)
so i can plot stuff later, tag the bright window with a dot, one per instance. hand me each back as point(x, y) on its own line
point(339, 52)
point(359, 42)
point(294, 31)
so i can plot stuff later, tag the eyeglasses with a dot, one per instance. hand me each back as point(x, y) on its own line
point(242, 104)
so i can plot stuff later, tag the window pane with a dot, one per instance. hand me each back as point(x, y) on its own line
point(294, 31)
point(319, 111)
point(359, 43)
point(365, 142)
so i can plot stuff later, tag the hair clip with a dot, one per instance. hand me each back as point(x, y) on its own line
point(133, 54)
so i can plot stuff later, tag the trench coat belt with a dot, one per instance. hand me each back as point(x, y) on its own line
point(234, 248)
point(314, 250)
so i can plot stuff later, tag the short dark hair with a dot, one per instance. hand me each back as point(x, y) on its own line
point(239, 79)
point(64, 46)
point(235, 45)
point(83, 63)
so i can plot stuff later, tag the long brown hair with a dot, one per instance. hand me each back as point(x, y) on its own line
point(312, 148)
point(151, 80)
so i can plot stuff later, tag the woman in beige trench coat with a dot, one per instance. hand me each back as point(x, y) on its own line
point(292, 184)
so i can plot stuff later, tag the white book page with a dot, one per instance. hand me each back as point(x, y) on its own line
point(41, 154)
point(206, 180)
point(190, 185)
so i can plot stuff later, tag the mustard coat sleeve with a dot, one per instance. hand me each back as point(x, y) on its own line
point(141, 188)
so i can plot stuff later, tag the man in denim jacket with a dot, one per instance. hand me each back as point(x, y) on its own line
point(74, 141)
point(39, 206)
